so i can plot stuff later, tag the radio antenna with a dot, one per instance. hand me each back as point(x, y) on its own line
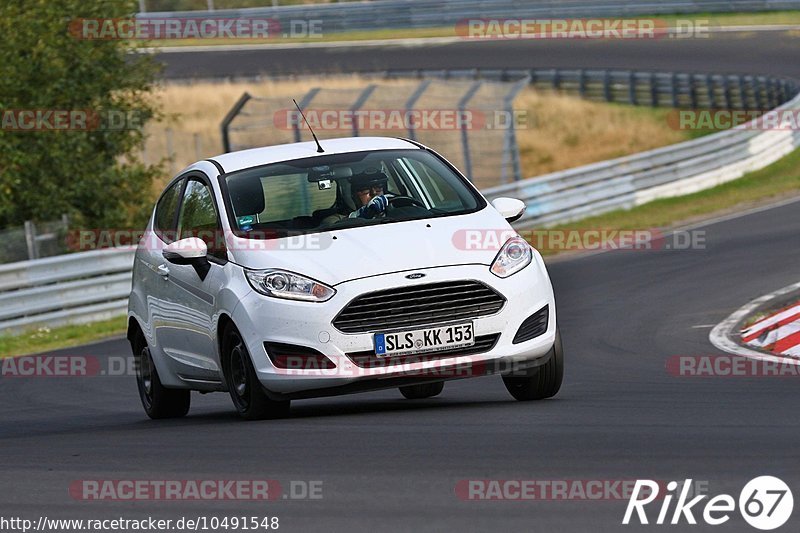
point(319, 146)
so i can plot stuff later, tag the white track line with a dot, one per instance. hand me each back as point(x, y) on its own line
point(722, 335)
point(572, 256)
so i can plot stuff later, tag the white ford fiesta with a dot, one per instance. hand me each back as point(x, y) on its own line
point(287, 272)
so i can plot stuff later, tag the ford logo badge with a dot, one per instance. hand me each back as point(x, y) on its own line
point(416, 275)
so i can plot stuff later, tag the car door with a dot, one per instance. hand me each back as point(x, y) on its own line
point(189, 295)
point(158, 293)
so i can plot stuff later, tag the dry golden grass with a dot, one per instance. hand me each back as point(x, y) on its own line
point(194, 113)
point(562, 131)
point(565, 131)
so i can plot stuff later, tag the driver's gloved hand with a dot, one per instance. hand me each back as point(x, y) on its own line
point(377, 205)
point(374, 207)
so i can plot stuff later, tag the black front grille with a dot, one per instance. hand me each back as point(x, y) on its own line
point(368, 359)
point(419, 305)
point(533, 326)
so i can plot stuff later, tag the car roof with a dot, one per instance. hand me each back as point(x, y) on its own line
point(253, 157)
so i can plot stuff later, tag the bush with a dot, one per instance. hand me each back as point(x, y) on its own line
point(92, 174)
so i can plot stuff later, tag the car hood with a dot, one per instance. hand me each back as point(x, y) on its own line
point(342, 255)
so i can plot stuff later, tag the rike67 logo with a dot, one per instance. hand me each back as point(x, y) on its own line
point(765, 503)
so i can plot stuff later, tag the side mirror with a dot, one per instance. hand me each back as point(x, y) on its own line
point(511, 208)
point(185, 251)
point(190, 251)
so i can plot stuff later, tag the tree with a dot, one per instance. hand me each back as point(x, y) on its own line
point(89, 173)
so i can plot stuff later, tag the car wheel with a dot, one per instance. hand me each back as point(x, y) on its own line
point(426, 390)
point(540, 382)
point(157, 400)
point(248, 396)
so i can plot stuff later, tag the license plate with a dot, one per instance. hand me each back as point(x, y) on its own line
point(424, 340)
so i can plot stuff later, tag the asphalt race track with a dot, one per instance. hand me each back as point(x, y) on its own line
point(391, 464)
point(767, 52)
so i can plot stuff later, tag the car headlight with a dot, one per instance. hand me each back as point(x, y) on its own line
point(283, 284)
point(515, 255)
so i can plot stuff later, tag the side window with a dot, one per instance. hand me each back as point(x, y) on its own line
point(164, 222)
point(198, 218)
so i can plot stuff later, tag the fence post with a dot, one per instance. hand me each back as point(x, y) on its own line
point(631, 87)
point(726, 90)
point(512, 148)
point(653, 90)
point(692, 91)
point(582, 83)
point(462, 105)
point(758, 94)
point(743, 93)
point(357, 105)
point(607, 85)
point(412, 101)
point(30, 240)
point(712, 99)
point(674, 89)
point(771, 93)
point(226, 122)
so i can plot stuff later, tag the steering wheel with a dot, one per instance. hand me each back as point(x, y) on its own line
point(404, 201)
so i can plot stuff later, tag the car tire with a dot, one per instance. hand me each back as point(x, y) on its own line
point(540, 382)
point(419, 392)
point(157, 400)
point(247, 393)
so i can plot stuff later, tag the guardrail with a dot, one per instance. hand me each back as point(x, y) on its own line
point(73, 288)
point(94, 285)
point(655, 89)
point(394, 14)
point(664, 172)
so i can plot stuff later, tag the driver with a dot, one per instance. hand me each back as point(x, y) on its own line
point(369, 194)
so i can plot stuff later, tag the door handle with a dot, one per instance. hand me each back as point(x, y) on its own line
point(163, 270)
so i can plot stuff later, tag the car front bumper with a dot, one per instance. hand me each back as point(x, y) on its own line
point(263, 319)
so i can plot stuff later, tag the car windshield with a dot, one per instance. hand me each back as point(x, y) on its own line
point(339, 191)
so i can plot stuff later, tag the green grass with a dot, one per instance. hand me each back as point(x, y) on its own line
point(752, 319)
point(737, 19)
point(779, 180)
point(714, 20)
point(44, 339)
point(362, 35)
